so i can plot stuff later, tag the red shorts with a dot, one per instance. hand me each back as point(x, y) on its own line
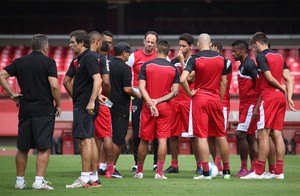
point(208, 118)
point(246, 121)
point(179, 118)
point(272, 114)
point(155, 127)
point(103, 123)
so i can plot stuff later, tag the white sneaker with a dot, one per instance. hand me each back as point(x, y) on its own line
point(78, 184)
point(253, 175)
point(20, 186)
point(43, 186)
point(226, 176)
point(279, 176)
point(268, 176)
point(160, 177)
point(220, 173)
point(201, 177)
point(139, 175)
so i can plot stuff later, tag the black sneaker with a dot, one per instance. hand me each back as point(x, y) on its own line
point(101, 172)
point(116, 174)
point(172, 170)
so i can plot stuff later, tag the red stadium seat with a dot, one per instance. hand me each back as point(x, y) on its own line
point(293, 53)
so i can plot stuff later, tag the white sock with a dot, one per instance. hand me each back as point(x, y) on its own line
point(39, 179)
point(94, 176)
point(102, 166)
point(20, 180)
point(85, 177)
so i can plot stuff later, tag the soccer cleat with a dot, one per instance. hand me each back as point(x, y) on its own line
point(102, 172)
point(268, 175)
point(253, 175)
point(220, 173)
point(201, 177)
point(20, 186)
point(139, 175)
point(79, 184)
point(134, 168)
point(116, 174)
point(280, 176)
point(171, 170)
point(43, 186)
point(95, 184)
point(154, 167)
point(242, 172)
point(160, 177)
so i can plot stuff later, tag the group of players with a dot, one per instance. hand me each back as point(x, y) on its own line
point(184, 96)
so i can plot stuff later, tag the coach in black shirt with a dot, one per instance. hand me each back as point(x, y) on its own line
point(120, 81)
point(37, 77)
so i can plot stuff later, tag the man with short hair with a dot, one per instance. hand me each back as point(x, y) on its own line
point(207, 114)
point(135, 61)
point(246, 129)
point(83, 82)
point(37, 76)
point(180, 105)
point(103, 124)
point(158, 83)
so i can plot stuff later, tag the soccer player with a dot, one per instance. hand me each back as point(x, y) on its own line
point(207, 114)
point(83, 82)
point(135, 61)
point(103, 122)
point(158, 83)
point(272, 107)
point(37, 77)
point(246, 129)
point(214, 150)
point(120, 80)
point(180, 105)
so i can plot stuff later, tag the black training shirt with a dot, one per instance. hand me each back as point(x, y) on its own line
point(32, 72)
point(120, 76)
point(82, 68)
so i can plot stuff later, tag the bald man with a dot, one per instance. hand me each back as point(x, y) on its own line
point(207, 95)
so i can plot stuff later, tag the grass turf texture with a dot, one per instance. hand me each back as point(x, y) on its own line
point(64, 170)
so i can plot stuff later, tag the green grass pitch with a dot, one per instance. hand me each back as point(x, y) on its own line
point(64, 170)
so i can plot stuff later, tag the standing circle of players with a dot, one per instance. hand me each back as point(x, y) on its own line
point(204, 78)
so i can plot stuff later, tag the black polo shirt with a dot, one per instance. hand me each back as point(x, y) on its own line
point(82, 68)
point(120, 76)
point(32, 72)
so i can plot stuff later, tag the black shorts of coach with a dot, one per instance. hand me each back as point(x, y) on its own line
point(83, 123)
point(119, 127)
point(35, 132)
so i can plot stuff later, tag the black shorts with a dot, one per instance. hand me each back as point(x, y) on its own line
point(119, 127)
point(83, 123)
point(35, 132)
